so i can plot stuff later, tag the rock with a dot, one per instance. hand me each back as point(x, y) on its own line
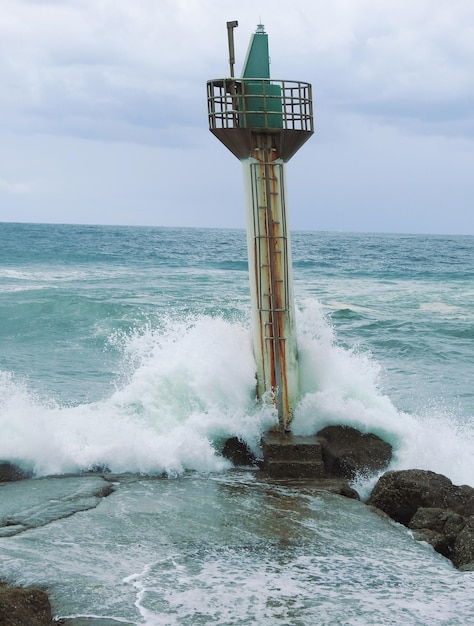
point(437, 540)
point(439, 520)
point(347, 452)
point(24, 607)
point(461, 499)
point(349, 492)
point(436, 510)
point(32, 504)
point(238, 452)
point(401, 494)
point(10, 472)
point(439, 527)
point(463, 549)
point(97, 469)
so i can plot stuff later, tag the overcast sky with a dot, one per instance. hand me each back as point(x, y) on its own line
point(103, 114)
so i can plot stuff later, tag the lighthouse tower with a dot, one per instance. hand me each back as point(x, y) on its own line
point(263, 122)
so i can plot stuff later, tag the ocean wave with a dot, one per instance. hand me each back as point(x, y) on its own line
point(187, 384)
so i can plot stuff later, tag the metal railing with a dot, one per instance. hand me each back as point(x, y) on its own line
point(260, 103)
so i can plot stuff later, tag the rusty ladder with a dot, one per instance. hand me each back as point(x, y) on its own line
point(271, 247)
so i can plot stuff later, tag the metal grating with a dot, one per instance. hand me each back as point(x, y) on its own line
point(260, 103)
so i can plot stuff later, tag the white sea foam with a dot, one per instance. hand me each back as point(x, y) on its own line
point(337, 305)
point(190, 384)
point(52, 276)
point(440, 307)
point(193, 385)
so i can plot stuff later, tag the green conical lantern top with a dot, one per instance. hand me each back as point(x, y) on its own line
point(257, 63)
point(243, 110)
point(262, 104)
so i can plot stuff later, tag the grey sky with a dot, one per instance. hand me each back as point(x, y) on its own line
point(103, 112)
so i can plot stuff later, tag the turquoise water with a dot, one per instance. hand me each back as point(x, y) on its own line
point(131, 348)
point(150, 328)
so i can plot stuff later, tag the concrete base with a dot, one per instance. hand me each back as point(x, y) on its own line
point(288, 456)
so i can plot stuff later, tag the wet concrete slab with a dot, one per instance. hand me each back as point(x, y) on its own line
point(232, 548)
point(33, 503)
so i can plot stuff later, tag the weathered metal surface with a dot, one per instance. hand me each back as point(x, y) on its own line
point(230, 37)
point(295, 96)
point(270, 279)
point(264, 122)
point(238, 109)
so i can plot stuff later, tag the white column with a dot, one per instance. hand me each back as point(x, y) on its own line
point(271, 284)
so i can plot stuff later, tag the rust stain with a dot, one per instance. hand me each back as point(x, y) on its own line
point(271, 272)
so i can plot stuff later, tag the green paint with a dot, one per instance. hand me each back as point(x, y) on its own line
point(262, 108)
point(257, 64)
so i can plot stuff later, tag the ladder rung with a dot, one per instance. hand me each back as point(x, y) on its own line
point(275, 338)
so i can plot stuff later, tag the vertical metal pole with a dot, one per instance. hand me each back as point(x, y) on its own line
point(232, 90)
point(264, 122)
point(270, 279)
point(230, 37)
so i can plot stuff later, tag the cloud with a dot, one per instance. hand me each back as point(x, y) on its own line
point(412, 59)
point(144, 64)
point(62, 62)
point(103, 106)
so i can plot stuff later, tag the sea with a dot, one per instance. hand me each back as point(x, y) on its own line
point(128, 350)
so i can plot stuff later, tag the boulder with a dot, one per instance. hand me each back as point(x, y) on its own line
point(10, 472)
point(436, 540)
point(463, 550)
point(400, 494)
point(239, 453)
point(439, 527)
point(461, 499)
point(24, 607)
point(348, 492)
point(436, 510)
point(347, 452)
point(442, 521)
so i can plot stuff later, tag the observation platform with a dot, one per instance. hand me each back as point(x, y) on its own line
point(239, 109)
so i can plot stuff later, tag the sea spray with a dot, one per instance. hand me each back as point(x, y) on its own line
point(192, 386)
point(188, 383)
point(342, 386)
point(338, 385)
point(385, 360)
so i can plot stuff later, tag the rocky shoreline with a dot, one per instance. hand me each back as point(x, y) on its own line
point(435, 510)
point(438, 512)
point(31, 607)
point(24, 607)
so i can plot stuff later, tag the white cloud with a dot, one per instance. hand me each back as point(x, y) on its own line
point(90, 59)
point(86, 83)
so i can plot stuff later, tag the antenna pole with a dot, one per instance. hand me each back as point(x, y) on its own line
point(230, 36)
